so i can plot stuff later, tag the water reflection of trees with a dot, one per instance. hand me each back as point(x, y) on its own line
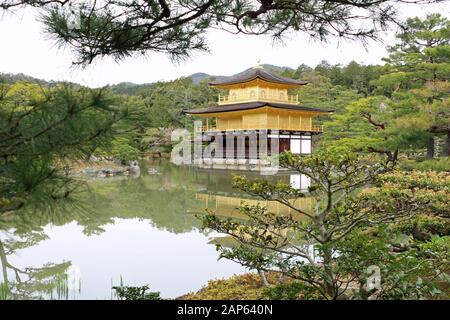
point(30, 282)
point(24, 229)
point(166, 199)
point(163, 199)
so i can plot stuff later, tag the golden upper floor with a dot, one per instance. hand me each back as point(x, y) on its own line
point(256, 84)
point(257, 93)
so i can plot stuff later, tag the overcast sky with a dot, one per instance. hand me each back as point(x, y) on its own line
point(25, 49)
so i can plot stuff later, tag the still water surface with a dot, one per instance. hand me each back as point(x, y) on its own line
point(130, 230)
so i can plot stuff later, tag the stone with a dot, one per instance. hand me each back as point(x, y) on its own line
point(153, 171)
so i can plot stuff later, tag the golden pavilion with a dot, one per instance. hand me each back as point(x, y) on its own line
point(258, 102)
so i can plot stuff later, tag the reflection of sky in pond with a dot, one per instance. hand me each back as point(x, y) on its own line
point(134, 250)
point(139, 230)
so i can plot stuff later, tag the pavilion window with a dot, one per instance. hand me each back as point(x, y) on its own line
point(295, 181)
point(299, 181)
point(305, 182)
point(305, 145)
point(295, 145)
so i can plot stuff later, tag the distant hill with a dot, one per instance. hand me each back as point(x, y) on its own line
point(200, 76)
point(130, 88)
point(277, 69)
point(11, 78)
point(127, 88)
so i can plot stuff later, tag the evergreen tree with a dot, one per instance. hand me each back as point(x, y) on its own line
point(178, 27)
point(41, 128)
point(418, 79)
point(409, 105)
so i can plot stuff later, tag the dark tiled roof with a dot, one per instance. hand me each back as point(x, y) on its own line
point(254, 73)
point(252, 105)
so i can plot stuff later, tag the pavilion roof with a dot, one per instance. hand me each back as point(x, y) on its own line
point(253, 105)
point(254, 73)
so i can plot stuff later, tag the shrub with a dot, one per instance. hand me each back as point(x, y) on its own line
point(441, 164)
point(136, 293)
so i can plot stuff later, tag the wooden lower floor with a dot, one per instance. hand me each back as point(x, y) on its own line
point(255, 144)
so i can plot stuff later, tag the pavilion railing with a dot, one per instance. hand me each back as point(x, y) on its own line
point(257, 96)
point(210, 128)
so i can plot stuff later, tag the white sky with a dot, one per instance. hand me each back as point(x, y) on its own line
point(25, 49)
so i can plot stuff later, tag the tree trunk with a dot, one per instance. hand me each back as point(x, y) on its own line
point(329, 280)
point(263, 278)
point(430, 146)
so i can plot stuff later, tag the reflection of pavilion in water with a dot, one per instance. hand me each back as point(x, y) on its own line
point(227, 203)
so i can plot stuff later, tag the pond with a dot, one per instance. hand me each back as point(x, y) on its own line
point(122, 230)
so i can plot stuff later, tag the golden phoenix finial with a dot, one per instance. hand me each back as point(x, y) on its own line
point(258, 64)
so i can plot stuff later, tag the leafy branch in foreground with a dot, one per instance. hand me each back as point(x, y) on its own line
point(40, 129)
point(178, 27)
point(356, 223)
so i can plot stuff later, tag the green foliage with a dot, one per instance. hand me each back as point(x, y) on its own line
point(350, 130)
point(364, 214)
point(136, 293)
point(41, 128)
point(152, 114)
point(294, 290)
point(422, 54)
point(409, 274)
point(121, 149)
point(352, 76)
point(152, 137)
point(409, 103)
point(165, 101)
point(321, 93)
point(440, 164)
point(429, 187)
point(424, 226)
point(238, 287)
point(128, 88)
